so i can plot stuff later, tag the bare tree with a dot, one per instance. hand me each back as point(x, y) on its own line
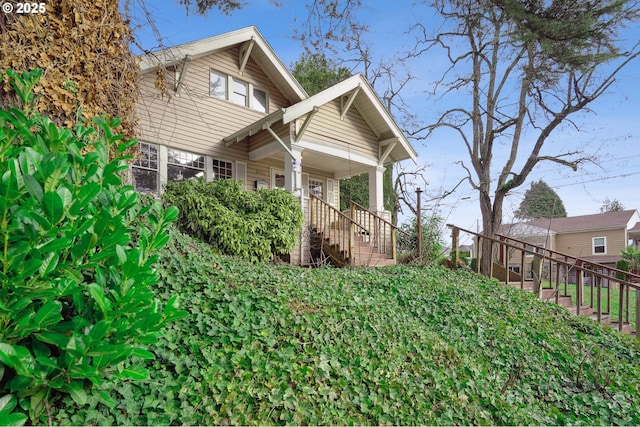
point(524, 66)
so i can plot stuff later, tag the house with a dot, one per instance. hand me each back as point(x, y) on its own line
point(228, 108)
point(596, 238)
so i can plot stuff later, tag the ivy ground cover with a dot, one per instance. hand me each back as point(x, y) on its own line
point(400, 345)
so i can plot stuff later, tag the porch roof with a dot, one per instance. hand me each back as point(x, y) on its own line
point(362, 97)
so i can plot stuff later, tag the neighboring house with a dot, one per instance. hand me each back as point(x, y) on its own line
point(232, 110)
point(596, 238)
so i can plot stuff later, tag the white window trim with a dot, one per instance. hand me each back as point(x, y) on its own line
point(233, 167)
point(229, 91)
point(593, 245)
point(272, 176)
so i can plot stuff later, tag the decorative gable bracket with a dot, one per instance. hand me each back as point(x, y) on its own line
point(245, 53)
point(346, 105)
point(183, 73)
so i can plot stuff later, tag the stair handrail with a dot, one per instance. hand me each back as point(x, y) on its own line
point(575, 258)
point(380, 218)
point(339, 215)
point(579, 264)
point(379, 232)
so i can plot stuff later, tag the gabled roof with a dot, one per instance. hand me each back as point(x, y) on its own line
point(525, 229)
point(572, 224)
point(260, 51)
point(601, 221)
point(365, 101)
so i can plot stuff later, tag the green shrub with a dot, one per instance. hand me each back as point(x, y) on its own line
point(432, 244)
point(250, 225)
point(77, 252)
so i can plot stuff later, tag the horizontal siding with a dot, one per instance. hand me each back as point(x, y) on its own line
point(581, 244)
point(263, 137)
point(194, 121)
point(353, 131)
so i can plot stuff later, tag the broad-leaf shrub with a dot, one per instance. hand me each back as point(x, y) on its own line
point(77, 250)
point(250, 225)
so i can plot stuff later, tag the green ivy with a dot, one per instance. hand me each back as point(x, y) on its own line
point(402, 345)
point(77, 250)
point(249, 225)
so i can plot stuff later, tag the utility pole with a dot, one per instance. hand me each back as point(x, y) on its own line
point(419, 220)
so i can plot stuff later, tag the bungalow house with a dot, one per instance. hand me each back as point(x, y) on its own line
point(228, 108)
point(596, 238)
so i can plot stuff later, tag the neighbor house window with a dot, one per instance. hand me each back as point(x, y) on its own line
point(599, 245)
point(182, 165)
point(218, 85)
point(316, 188)
point(222, 169)
point(239, 92)
point(145, 168)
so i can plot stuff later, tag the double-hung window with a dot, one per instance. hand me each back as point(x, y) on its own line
point(145, 168)
point(599, 245)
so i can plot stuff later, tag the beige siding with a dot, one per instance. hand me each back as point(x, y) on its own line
point(580, 244)
point(194, 121)
point(352, 132)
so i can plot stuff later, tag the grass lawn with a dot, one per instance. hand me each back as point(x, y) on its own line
point(610, 299)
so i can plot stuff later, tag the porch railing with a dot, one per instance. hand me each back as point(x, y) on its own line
point(380, 232)
point(593, 282)
point(360, 225)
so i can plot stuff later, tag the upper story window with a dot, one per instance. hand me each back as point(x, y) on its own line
point(182, 165)
point(259, 100)
point(240, 93)
point(218, 85)
point(599, 245)
point(223, 86)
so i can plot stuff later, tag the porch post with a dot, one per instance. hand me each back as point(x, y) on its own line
point(293, 171)
point(376, 195)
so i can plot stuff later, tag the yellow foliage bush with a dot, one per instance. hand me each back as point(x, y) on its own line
point(83, 48)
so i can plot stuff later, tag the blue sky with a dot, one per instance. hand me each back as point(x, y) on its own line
point(612, 131)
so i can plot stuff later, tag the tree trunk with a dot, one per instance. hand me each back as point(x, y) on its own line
point(491, 221)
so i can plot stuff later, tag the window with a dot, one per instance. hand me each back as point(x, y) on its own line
point(182, 165)
point(145, 168)
point(259, 100)
point(222, 169)
point(599, 245)
point(239, 95)
point(316, 187)
point(218, 85)
point(223, 86)
point(277, 178)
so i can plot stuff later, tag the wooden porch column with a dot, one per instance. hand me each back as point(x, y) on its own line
point(376, 195)
point(293, 171)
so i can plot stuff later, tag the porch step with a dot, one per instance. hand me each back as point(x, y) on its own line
point(364, 254)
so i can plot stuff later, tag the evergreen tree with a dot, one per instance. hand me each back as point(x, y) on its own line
point(540, 201)
point(315, 72)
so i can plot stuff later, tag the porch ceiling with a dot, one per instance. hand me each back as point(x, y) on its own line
point(340, 167)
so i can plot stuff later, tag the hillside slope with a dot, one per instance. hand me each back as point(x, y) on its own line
point(398, 345)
